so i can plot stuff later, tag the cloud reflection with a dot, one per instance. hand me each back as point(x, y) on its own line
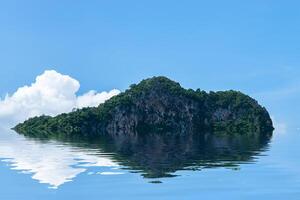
point(51, 162)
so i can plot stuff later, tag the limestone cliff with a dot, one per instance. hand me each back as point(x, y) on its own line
point(162, 106)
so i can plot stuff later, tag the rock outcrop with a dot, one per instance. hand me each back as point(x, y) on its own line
point(159, 105)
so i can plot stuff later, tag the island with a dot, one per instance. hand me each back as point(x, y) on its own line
point(157, 127)
point(158, 105)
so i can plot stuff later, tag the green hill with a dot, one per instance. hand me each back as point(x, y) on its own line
point(162, 106)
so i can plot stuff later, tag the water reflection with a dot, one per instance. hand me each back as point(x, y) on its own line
point(49, 162)
point(58, 161)
point(156, 155)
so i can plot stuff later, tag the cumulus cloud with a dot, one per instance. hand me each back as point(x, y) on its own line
point(92, 98)
point(52, 93)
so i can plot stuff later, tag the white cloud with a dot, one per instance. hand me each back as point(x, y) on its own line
point(52, 93)
point(92, 98)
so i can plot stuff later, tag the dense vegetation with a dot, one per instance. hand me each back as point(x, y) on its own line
point(158, 105)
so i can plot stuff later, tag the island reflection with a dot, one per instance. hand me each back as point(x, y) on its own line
point(159, 155)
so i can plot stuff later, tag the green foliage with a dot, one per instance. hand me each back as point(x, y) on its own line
point(229, 111)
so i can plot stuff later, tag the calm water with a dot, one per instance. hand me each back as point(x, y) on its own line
point(228, 169)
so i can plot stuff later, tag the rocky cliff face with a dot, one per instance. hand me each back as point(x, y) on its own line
point(156, 109)
point(159, 104)
point(163, 106)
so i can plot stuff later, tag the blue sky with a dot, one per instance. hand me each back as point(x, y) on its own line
point(250, 46)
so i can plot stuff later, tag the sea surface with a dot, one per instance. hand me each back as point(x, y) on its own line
point(32, 168)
